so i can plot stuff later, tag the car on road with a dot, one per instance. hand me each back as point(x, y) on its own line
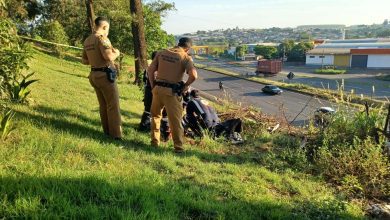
point(322, 115)
point(271, 89)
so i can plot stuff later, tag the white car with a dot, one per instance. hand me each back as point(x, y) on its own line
point(323, 115)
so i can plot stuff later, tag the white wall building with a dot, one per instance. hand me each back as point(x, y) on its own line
point(378, 61)
point(315, 59)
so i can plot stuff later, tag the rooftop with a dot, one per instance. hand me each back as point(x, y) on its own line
point(320, 51)
point(357, 45)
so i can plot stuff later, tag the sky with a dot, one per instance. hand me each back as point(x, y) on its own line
point(194, 15)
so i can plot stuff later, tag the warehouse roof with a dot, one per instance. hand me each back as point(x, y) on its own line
point(320, 51)
point(368, 40)
point(355, 45)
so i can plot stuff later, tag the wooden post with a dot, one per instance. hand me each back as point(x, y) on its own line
point(138, 31)
point(386, 129)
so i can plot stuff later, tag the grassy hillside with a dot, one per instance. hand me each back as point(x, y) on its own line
point(57, 164)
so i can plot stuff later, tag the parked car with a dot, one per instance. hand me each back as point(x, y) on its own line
point(322, 116)
point(271, 89)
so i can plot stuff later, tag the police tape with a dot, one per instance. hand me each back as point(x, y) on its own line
point(56, 44)
point(48, 42)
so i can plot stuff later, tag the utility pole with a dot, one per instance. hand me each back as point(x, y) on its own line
point(138, 31)
point(90, 14)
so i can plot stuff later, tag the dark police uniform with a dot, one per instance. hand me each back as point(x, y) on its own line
point(201, 116)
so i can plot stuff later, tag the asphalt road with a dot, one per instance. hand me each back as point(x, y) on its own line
point(249, 94)
point(360, 81)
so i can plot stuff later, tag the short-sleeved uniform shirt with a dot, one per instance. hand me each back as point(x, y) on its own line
point(94, 47)
point(171, 64)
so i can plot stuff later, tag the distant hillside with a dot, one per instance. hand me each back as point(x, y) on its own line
point(321, 26)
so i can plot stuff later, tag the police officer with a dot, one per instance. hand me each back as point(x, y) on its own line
point(170, 64)
point(99, 53)
point(201, 116)
point(148, 96)
point(146, 116)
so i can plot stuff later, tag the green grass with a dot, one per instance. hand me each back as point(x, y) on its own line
point(329, 71)
point(384, 77)
point(58, 164)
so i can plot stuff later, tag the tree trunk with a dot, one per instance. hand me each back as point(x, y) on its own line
point(138, 31)
point(90, 14)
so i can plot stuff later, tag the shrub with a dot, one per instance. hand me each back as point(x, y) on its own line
point(360, 169)
point(286, 154)
point(329, 71)
point(53, 31)
point(349, 153)
point(14, 55)
point(345, 126)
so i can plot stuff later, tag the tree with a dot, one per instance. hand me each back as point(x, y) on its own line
point(386, 22)
point(90, 14)
point(138, 30)
point(285, 47)
point(20, 10)
point(156, 38)
point(14, 55)
point(241, 50)
point(268, 52)
point(384, 33)
point(298, 52)
point(53, 31)
point(71, 15)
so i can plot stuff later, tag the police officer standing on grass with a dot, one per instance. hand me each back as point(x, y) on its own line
point(99, 53)
point(170, 64)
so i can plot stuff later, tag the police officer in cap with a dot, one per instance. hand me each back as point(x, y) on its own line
point(170, 64)
point(99, 53)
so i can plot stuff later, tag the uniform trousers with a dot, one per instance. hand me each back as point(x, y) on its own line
point(108, 97)
point(164, 97)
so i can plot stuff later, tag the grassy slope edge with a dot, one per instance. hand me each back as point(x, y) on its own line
point(57, 164)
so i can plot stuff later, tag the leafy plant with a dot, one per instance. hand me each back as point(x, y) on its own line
point(19, 89)
point(14, 55)
point(5, 123)
point(360, 168)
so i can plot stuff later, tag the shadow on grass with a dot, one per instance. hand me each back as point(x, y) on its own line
point(91, 197)
point(85, 127)
point(58, 119)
